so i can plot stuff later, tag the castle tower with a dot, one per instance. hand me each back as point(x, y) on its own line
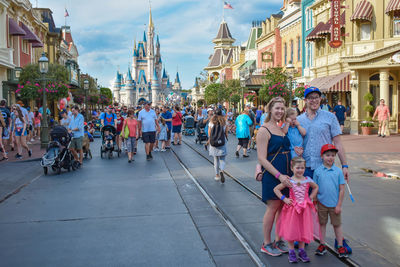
point(130, 90)
point(116, 87)
point(134, 61)
point(177, 85)
point(150, 48)
point(155, 89)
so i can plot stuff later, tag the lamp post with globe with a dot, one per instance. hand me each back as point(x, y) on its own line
point(44, 68)
point(290, 71)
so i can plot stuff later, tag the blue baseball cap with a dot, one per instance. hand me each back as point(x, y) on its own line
point(311, 89)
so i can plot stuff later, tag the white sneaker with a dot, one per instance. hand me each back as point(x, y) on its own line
point(28, 143)
point(163, 150)
point(32, 140)
point(217, 178)
point(156, 149)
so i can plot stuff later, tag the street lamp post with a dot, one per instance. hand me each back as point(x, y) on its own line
point(242, 85)
point(290, 70)
point(44, 68)
point(86, 88)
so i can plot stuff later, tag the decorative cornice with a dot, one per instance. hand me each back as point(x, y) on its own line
point(373, 54)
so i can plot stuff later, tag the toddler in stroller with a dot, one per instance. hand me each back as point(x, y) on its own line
point(189, 125)
point(108, 134)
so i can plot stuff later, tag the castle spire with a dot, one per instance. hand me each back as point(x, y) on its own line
point(151, 25)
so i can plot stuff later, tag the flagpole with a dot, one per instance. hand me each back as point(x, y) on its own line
point(223, 11)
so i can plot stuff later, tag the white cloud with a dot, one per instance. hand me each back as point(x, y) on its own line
point(104, 30)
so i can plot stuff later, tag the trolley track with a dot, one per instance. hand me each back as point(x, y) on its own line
point(330, 249)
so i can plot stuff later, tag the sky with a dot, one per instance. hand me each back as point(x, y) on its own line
point(104, 31)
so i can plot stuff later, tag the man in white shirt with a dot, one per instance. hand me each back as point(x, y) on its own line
point(148, 124)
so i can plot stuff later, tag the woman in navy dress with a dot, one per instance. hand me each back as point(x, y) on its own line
point(273, 151)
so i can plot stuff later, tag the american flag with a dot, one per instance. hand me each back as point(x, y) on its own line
point(66, 14)
point(227, 5)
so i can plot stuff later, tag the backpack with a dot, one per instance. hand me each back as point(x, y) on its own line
point(217, 137)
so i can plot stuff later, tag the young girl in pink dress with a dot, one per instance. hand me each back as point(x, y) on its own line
point(295, 222)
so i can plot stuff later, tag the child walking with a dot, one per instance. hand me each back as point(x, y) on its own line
point(295, 222)
point(330, 180)
point(295, 133)
point(163, 134)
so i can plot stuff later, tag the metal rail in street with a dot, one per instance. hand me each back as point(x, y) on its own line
point(347, 261)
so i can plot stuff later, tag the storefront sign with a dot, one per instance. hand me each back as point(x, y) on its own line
point(336, 35)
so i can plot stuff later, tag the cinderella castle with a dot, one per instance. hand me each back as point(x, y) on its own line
point(146, 80)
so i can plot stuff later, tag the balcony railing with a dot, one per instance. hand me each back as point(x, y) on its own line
point(6, 57)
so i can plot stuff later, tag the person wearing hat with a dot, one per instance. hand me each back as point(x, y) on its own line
point(331, 183)
point(322, 128)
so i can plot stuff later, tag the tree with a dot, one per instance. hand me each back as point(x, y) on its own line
point(216, 93)
point(57, 73)
point(106, 92)
point(276, 82)
point(233, 86)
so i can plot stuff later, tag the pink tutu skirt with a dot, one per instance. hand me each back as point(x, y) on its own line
point(296, 222)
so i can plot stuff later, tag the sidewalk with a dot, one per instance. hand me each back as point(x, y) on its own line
point(37, 153)
point(374, 153)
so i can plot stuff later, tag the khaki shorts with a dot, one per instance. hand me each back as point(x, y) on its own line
point(323, 212)
point(76, 143)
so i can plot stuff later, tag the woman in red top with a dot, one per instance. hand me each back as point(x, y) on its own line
point(177, 125)
point(132, 123)
point(120, 122)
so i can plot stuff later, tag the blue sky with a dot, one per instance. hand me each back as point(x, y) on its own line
point(104, 31)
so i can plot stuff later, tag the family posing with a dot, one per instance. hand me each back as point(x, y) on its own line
point(295, 157)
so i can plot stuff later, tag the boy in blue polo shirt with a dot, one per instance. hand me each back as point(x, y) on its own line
point(331, 183)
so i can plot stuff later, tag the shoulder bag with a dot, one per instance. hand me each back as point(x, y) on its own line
point(259, 173)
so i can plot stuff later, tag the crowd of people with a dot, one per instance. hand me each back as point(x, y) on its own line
point(295, 150)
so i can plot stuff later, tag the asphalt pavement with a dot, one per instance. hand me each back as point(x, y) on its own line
point(150, 213)
point(109, 213)
point(371, 224)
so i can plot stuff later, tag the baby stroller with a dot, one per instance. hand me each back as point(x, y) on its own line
point(106, 147)
point(201, 134)
point(58, 155)
point(189, 126)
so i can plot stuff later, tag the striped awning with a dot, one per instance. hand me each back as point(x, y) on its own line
point(326, 28)
point(313, 35)
point(394, 5)
point(333, 83)
point(363, 11)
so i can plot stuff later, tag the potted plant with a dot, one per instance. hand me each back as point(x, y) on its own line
point(366, 127)
point(367, 124)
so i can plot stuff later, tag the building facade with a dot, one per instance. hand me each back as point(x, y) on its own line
point(22, 34)
point(269, 45)
point(307, 25)
point(373, 57)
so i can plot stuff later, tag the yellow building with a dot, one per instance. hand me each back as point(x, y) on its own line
point(367, 61)
point(328, 73)
point(373, 56)
point(290, 32)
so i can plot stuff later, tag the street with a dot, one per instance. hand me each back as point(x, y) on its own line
point(111, 212)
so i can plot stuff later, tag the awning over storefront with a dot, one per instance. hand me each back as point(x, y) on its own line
point(326, 28)
point(247, 64)
point(30, 36)
point(333, 83)
point(313, 35)
point(14, 29)
point(363, 11)
point(394, 5)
